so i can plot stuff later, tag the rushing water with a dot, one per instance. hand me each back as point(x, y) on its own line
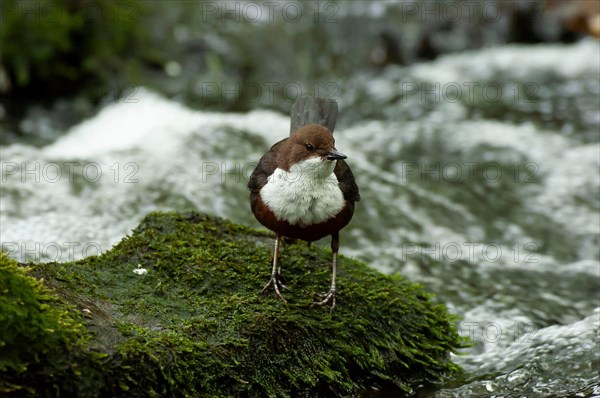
point(479, 177)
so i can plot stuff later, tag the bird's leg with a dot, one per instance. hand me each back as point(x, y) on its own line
point(275, 280)
point(279, 278)
point(330, 295)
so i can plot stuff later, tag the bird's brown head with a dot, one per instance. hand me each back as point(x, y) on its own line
point(311, 141)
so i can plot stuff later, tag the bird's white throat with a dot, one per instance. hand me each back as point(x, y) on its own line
point(307, 194)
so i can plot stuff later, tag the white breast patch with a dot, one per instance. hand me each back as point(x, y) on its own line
point(309, 193)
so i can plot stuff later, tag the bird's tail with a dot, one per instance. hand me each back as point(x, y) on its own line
point(309, 110)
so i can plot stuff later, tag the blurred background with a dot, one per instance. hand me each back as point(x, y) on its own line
point(472, 127)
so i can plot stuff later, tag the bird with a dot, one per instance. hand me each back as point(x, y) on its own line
point(302, 188)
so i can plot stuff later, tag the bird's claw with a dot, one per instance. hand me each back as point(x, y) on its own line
point(326, 297)
point(277, 285)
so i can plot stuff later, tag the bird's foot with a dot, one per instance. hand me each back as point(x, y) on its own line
point(326, 297)
point(277, 285)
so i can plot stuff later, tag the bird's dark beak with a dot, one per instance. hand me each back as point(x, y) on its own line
point(335, 155)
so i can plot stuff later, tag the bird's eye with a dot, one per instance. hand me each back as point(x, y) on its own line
point(310, 147)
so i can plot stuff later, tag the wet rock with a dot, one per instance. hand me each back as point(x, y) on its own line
point(195, 324)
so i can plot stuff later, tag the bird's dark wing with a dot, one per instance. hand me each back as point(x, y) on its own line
point(309, 110)
point(265, 167)
point(346, 181)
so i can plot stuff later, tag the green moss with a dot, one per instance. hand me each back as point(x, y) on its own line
point(196, 325)
point(42, 346)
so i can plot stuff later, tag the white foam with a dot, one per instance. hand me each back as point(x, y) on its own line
point(520, 60)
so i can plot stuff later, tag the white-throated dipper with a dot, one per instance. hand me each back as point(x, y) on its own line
point(302, 188)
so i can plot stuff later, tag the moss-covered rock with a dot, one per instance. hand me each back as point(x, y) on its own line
point(43, 343)
point(196, 325)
